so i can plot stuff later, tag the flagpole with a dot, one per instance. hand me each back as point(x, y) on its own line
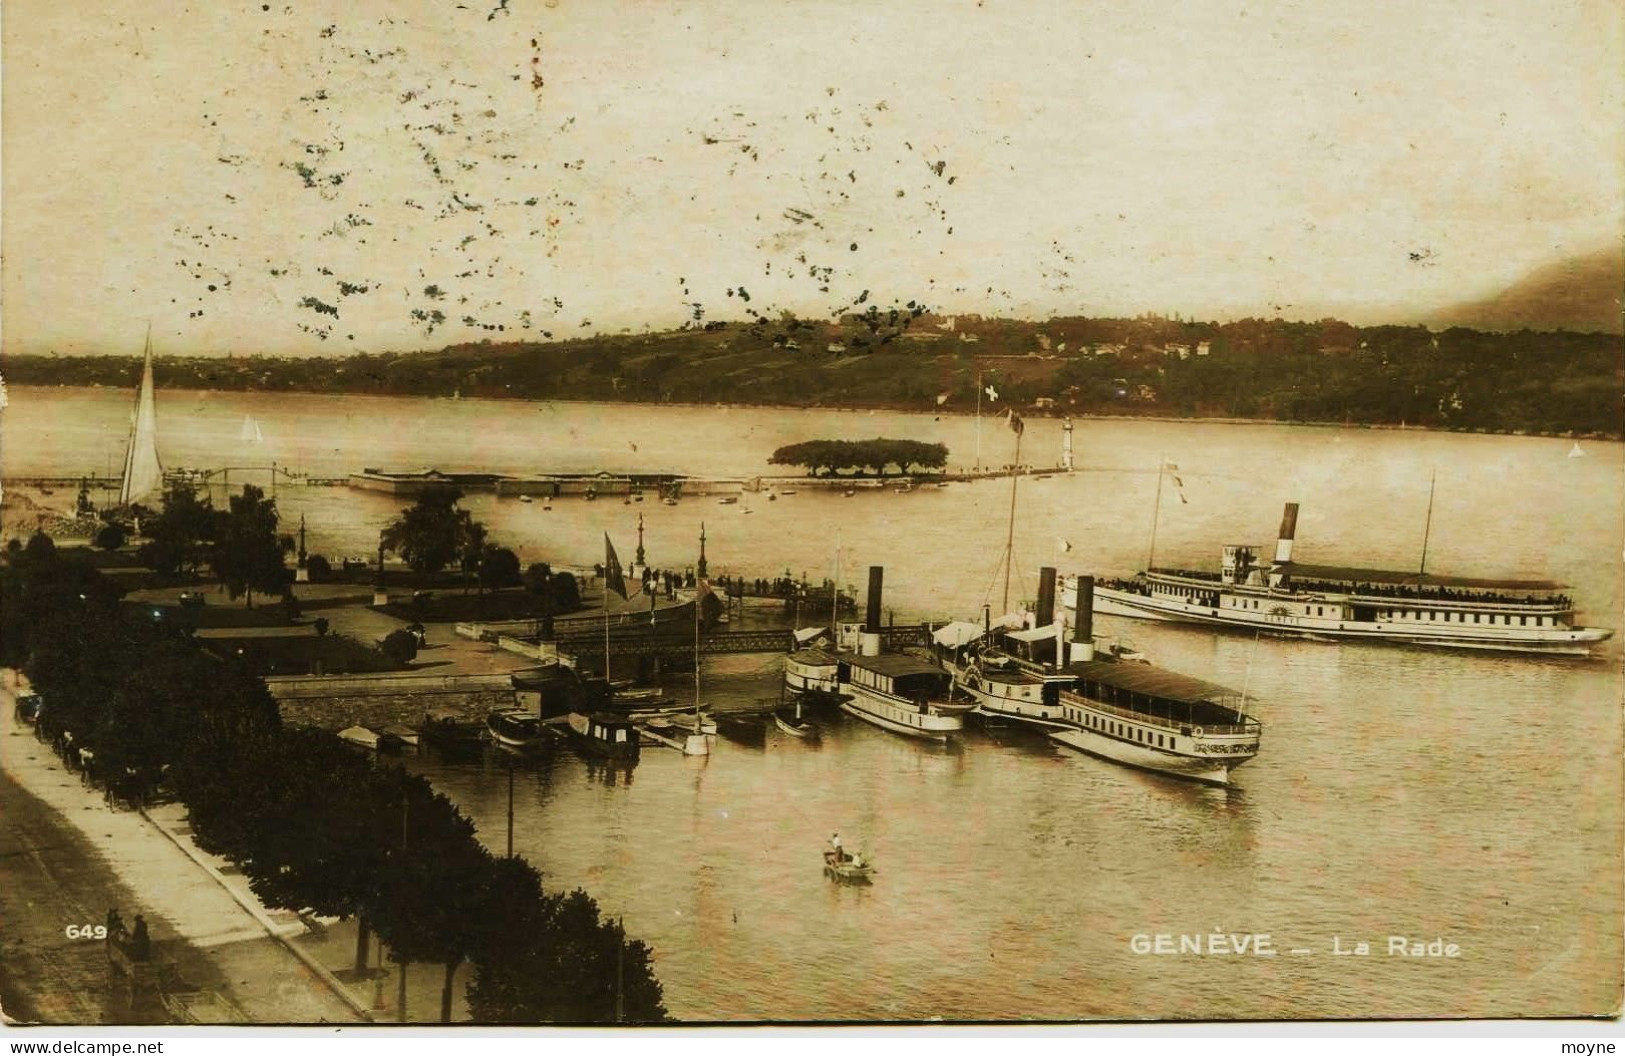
point(1156, 511)
point(1010, 533)
point(978, 466)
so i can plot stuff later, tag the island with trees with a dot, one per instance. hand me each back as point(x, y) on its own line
point(873, 456)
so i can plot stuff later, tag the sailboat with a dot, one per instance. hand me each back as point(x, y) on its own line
point(698, 741)
point(1575, 451)
point(143, 473)
point(251, 431)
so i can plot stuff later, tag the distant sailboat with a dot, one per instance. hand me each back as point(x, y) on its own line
point(143, 473)
point(1575, 452)
point(251, 431)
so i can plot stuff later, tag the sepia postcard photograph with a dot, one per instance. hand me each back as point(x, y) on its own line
point(607, 513)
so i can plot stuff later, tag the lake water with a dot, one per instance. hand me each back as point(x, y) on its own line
point(1474, 798)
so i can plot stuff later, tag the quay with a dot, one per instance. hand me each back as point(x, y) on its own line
point(410, 484)
point(661, 644)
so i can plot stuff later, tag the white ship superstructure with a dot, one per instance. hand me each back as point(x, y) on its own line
point(1287, 597)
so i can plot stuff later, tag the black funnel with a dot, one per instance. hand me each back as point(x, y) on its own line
point(1083, 624)
point(1046, 597)
point(872, 618)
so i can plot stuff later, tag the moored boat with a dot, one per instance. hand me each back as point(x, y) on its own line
point(789, 718)
point(404, 734)
point(601, 733)
point(514, 728)
point(1158, 720)
point(1291, 598)
point(813, 674)
point(446, 731)
point(372, 740)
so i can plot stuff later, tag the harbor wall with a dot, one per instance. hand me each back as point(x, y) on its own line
point(297, 687)
point(397, 709)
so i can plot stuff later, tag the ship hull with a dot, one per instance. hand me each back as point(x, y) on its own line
point(1558, 642)
point(1191, 768)
point(905, 719)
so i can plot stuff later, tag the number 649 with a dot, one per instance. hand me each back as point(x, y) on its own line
point(87, 931)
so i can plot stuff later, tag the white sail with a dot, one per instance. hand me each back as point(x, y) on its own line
point(143, 473)
point(251, 431)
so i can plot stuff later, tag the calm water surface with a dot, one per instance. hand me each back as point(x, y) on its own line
point(1398, 792)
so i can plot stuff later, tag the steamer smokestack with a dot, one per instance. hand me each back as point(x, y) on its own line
point(869, 643)
point(1289, 528)
point(1046, 598)
point(1083, 622)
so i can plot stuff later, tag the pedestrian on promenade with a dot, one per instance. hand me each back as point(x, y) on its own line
point(140, 942)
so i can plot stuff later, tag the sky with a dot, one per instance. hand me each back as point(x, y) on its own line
point(327, 178)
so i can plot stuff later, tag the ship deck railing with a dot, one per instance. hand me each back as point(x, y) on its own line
point(1358, 593)
point(1163, 721)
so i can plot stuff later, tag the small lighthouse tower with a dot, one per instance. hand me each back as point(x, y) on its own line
point(1066, 445)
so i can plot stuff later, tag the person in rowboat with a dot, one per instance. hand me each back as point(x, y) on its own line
point(836, 855)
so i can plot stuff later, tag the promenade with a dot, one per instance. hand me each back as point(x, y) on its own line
point(66, 858)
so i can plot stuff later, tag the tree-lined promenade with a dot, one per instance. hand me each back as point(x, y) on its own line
point(312, 824)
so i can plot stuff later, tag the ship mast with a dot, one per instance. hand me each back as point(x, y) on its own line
point(1427, 526)
point(835, 596)
point(1156, 511)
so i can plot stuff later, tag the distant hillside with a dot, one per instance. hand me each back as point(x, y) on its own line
point(1580, 294)
point(1272, 369)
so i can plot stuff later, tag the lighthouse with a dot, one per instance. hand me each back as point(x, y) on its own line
point(1066, 445)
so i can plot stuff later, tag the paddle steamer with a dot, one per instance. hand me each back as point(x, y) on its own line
point(1287, 597)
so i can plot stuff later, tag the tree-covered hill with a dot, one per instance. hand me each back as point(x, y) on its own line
point(1253, 368)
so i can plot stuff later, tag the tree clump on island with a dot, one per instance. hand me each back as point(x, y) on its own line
point(311, 823)
point(873, 455)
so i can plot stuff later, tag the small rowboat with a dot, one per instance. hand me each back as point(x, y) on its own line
point(848, 868)
point(791, 721)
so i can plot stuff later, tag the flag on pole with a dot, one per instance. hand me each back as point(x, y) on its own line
point(1017, 426)
point(614, 578)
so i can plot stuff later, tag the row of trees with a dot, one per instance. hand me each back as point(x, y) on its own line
point(239, 545)
point(874, 455)
point(310, 823)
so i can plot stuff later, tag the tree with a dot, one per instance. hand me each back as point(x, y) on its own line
point(539, 579)
point(558, 961)
point(175, 535)
point(247, 553)
point(566, 592)
point(433, 532)
point(318, 567)
point(110, 536)
point(499, 567)
point(400, 646)
point(874, 454)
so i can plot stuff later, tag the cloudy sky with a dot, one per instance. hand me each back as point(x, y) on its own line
point(328, 178)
